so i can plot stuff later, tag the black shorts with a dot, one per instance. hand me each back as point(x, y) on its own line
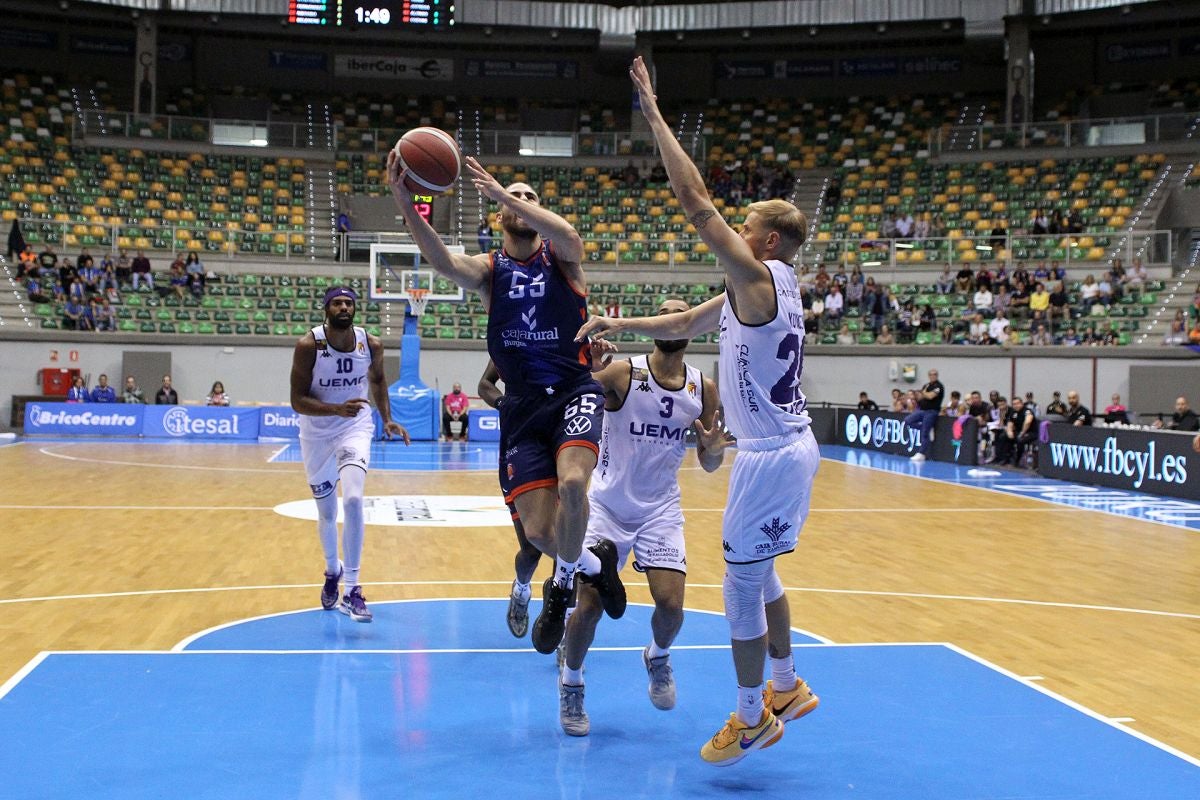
point(534, 428)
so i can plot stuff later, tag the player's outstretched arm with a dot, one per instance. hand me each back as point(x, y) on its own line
point(379, 392)
point(711, 438)
point(568, 246)
point(684, 325)
point(488, 389)
point(737, 259)
point(469, 272)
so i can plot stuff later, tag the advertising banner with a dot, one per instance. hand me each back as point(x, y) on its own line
point(393, 67)
point(297, 59)
point(278, 422)
point(483, 425)
point(106, 419)
point(1157, 462)
point(954, 440)
point(200, 422)
point(509, 68)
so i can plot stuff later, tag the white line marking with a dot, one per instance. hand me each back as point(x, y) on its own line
point(197, 636)
point(1044, 501)
point(1072, 704)
point(284, 471)
point(272, 508)
point(809, 589)
point(20, 674)
point(139, 508)
point(910, 510)
point(278, 453)
point(1032, 678)
point(1121, 719)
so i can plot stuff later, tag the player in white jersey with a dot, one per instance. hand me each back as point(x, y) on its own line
point(650, 402)
point(762, 337)
point(332, 368)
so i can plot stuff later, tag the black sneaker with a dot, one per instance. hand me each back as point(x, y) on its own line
point(329, 592)
point(550, 624)
point(608, 582)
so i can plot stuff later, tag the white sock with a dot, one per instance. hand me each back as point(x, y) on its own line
point(521, 591)
point(564, 573)
point(353, 480)
point(783, 674)
point(655, 651)
point(750, 705)
point(327, 530)
point(589, 563)
point(572, 677)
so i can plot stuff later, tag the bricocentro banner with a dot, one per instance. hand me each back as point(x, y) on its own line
point(97, 419)
point(1156, 462)
point(954, 440)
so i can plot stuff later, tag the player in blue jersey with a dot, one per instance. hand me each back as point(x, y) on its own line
point(551, 414)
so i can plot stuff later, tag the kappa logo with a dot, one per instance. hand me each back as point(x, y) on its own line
point(529, 319)
point(578, 425)
point(643, 387)
point(776, 530)
point(727, 548)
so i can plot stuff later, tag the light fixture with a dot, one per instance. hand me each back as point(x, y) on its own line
point(487, 31)
point(945, 24)
point(554, 34)
point(881, 28)
point(812, 30)
point(872, 263)
point(903, 246)
point(745, 33)
point(983, 247)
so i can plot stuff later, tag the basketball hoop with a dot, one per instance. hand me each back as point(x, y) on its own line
point(418, 299)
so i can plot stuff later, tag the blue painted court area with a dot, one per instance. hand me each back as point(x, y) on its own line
point(436, 700)
point(394, 455)
point(1136, 505)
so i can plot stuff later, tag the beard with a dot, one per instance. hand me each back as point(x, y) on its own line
point(340, 321)
point(671, 345)
point(517, 230)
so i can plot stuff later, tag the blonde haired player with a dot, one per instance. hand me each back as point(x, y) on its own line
point(761, 349)
point(333, 366)
point(650, 403)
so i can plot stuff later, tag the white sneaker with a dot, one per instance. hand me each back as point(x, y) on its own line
point(917, 457)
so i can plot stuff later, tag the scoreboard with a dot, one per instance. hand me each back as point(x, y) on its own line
point(372, 13)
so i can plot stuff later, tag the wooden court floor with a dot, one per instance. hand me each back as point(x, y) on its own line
point(135, 547)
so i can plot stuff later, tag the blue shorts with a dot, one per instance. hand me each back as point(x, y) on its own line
point(534, 428)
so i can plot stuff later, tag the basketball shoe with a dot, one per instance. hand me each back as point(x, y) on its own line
point(329, 592)
point(571, 715)
point(551, 623)
point(608, 582)
point(518, 613)
point(788, 706)
point(737, 740)
point(354, 605)
point(662, 680)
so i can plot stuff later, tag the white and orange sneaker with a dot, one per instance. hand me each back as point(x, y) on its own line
point(790, 705)
point(737, 740)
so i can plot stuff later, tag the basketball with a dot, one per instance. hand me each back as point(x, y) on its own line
point(432, 159)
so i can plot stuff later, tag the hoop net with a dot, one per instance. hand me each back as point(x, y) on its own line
point(418, 299)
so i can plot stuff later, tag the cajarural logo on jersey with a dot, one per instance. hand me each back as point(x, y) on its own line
point(178, 422)
point(520, 337)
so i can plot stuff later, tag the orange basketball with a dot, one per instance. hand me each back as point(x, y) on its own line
point(432, 159)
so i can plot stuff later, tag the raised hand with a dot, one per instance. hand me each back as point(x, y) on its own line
point(716, 438)
point(641, 81)
point(484, 181)
point(602, 353)
point(598, 328)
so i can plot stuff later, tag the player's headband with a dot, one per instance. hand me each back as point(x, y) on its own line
point(339, 291)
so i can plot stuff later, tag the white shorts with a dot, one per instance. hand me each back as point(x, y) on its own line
point(656, 542)
point(324, 458)
point(769, 494)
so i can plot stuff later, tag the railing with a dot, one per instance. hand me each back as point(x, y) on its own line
point(1072, 134)
point(230, 242)
point(254, 134)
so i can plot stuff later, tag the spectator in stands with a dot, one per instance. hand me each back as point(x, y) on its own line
point(1041, 337)
point(951, 408)
point(906, 323)
point(834, 304)
point(1077, 413)
point(613, 309)
point(1057, 272)
point(87, 321)
point(1030, 403)
point(105, 314)
point(27, 260)
point(72, 313)
point(937, 227)
point(1000, 279)
point(1041, 273)
point(178, 277)
point(1057, 223)
point(1115, 412)
point(1184, 419)
point(1136, 277)
point(1020, 430)
point(904, 226)
point(123, 268)
point(884, 336)
point(1104, 290)
point(78, 393)
point(66, 273)
point(455, 408)
point(166, 394)
point(998, 329)
point(978, 408)
point(1020, 275)
point(999, 235)
point(982, 300)
point(840, 278)
point(949, 336)
point(1039, 225)
point(929, 403)
point(865, 403)
point(76, 290)
point(833, 193)
point(1019, 304)
point(1177, 332)
point(944, 282)
point(870, 292)
point(928, 319)
point(889, 230)
point(855, 287)
point(1194, 333)
point(1039, 303)
point(1001, 300)
point(106, 280)
point(344, 226)
point(897, 400)
point(983, 278)
point(33, 287)
point(1089, 294)
point(844, 336)
point(921, 227)
point(48, 260)
point(1074, 222)
point(1071, 337)
point(821, 281)
point(103, 393)
point(1056, 407)
point(884, 304)
point(196, 277)
point(1058, 303)
point(132, 393)
point(217, 395)
point(964, 280)
point(142, 271)
point(485, 236)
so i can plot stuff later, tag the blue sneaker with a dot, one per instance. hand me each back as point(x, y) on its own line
point(354, 605)
point(329, 592)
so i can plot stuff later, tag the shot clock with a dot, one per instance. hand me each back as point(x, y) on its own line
point(372, 13)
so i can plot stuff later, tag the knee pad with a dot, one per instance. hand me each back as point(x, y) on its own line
point(745, 608)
